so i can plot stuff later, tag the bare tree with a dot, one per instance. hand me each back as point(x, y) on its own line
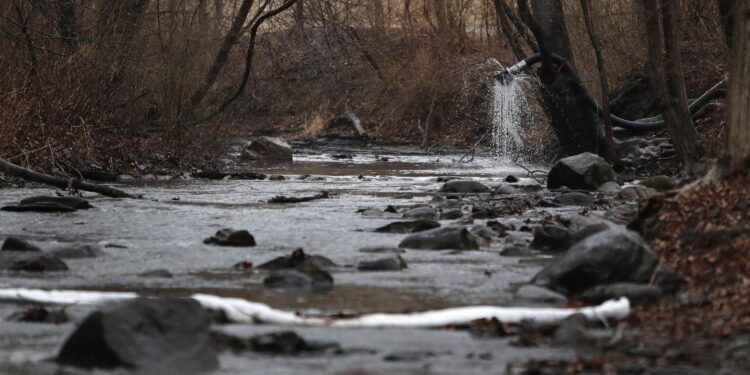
point(668, 80)
point(223, 55)
point(604, 84)
point(575, 124)
point(739, 90)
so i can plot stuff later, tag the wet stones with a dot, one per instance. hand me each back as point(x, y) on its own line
point(300, 278)
point(537, 295)
point(457, 238)
point(464, 187)
point(583, 171)
point(393, 263)
point(267, 149)
point(30, 261)
point(660, 183)
point(504, 189)
point(77, 251)
point(609, 187)
point(551, 237)
point(610, 256)
point(574, 198)
point(147, 335)
point(381, 250)
point(297, 258)
point(15, 244)
point(408, 226)
point(221, 175)
point(636, 192)
point(276, 343)
point(49, 204)
point(158, 273)
point(19, 255)
point(425, 213)
point(39, 314)
point(72, 202)
point(231, 237)
point(298, 271)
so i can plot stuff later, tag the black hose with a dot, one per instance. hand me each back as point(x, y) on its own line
point(646, 124)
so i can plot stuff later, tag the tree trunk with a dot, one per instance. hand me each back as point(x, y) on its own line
point(223, 55)
point(504, 26)
point(575, 124)
point(726, 14)
point(739, 90)
point(550, 16)
point(667, 80)
point(299, 16)
point(586, 7)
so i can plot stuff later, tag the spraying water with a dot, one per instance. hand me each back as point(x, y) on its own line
point(509, 104)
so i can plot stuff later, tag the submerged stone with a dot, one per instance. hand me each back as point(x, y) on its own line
point(394, 263)
point(408, 226)
point(231, 237)
point(30, 261)
point(464, 187)
point(16, 244)
point(458, 238)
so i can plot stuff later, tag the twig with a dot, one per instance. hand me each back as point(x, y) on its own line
point(472, 150)
point(530, 173)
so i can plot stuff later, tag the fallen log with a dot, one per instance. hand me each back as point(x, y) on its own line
point(62, 183)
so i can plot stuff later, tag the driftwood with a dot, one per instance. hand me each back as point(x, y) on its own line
point(62, 183)
point(283, 199)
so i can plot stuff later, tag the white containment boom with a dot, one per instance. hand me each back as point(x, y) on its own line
point(242, 311)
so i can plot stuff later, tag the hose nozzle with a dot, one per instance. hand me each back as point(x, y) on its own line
point(506, 76)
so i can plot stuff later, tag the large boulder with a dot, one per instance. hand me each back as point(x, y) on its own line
point(458, 238)
point(267, 149)
point(611, 256)
point(583, 171)
point(152, 336)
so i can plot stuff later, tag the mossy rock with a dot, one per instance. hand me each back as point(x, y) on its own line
point(660, 183)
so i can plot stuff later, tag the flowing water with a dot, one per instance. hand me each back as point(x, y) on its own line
point(508, 111)
point(165, 231)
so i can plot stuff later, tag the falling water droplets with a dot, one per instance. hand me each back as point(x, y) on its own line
point(509, 106)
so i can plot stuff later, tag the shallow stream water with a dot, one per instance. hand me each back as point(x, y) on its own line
point(165, 231)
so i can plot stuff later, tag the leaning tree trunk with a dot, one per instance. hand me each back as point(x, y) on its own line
point(62, 183)
point(577, 127)
point(739, 90)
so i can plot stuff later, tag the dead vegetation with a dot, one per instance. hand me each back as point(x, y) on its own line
point(111, 83)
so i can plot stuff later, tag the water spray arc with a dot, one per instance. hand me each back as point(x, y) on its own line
point(506, 77)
